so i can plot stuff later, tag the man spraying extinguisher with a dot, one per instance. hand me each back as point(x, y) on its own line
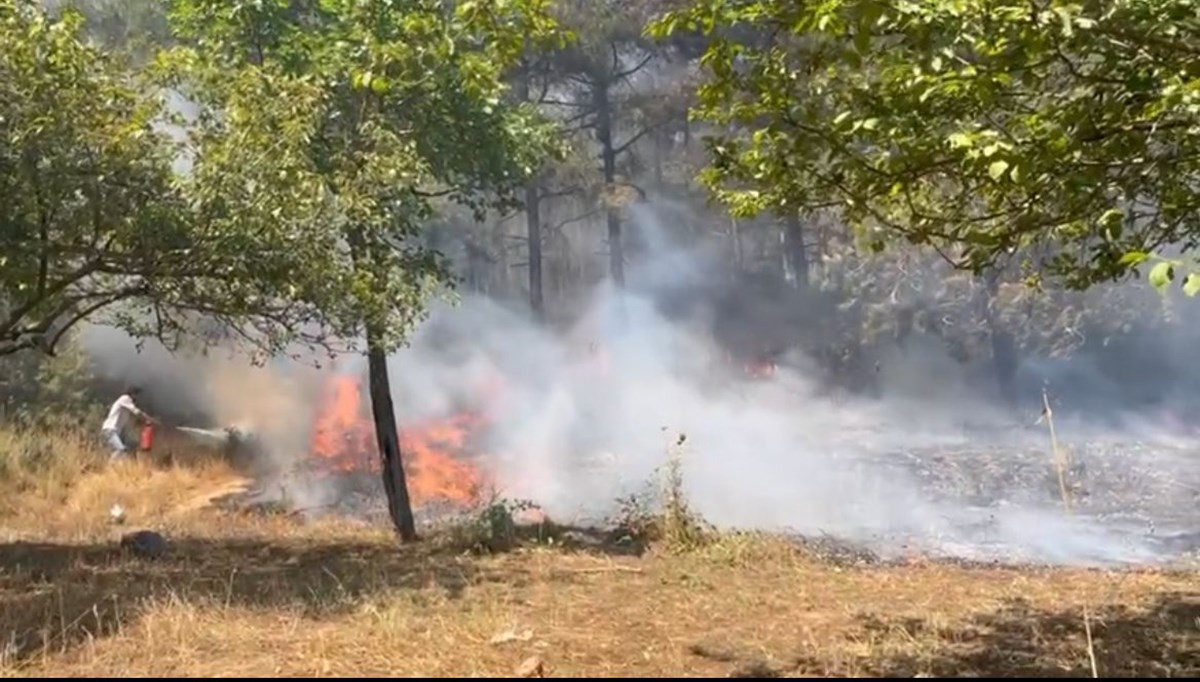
point(118, 418)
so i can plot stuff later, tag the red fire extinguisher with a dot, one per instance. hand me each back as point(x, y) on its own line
point(147, 439)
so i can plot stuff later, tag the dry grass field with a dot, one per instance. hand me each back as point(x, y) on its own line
point(242, 594)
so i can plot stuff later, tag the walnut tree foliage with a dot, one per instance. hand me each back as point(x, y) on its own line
point(94, 223)
point(341, 126)
point(312, 126)
point(1064, 134)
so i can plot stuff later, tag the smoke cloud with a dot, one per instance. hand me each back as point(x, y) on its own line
point(582, 413)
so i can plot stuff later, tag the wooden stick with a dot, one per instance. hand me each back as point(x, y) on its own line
point(607, 569)
point(1066, 498)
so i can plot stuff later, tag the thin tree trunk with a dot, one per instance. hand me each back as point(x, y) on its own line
point(388, 439)
point(474, 276)
point(658, 159)
point(795, 253)
point(735, 235)
point(616, 260)
point(1004, 344)
point(533, 219)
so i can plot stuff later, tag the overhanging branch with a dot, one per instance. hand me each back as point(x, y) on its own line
point(631, 141)
point(620, 75)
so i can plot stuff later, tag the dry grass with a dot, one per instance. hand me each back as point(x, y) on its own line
point(62, 486)
point(257, 596)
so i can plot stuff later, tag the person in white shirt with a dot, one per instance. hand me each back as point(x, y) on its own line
point(118, 418)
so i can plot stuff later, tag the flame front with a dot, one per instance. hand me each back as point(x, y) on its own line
point(760, 368)
point(344, 441)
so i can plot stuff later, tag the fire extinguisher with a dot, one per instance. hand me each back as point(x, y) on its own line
point(147, 439)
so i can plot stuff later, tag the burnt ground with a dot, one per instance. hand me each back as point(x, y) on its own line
point(1131, 504)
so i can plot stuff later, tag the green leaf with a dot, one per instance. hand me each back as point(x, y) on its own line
point(961, 141)
point(1161, 275)
point(1191, 285)
point(1133, 258)
point(958, 86)
point(1112, 216)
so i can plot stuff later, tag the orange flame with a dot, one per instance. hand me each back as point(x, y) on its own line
point(760, 369)
point(344, 441)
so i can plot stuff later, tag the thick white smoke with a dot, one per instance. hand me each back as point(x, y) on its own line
point(583, 415)
point(586, 416)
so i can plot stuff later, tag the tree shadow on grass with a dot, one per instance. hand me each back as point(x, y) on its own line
point(1157, 639)
point(54, 596)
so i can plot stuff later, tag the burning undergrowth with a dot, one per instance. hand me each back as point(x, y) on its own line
point(976, 495)
point(436, 451)
point(341, 473)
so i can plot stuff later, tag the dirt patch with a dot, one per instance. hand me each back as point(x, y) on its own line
point(207, 498)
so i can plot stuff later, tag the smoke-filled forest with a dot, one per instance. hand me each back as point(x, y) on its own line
point(512, 312)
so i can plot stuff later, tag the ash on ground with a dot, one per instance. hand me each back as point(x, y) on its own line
point(347, 495)
point(1128, 503)
point(1131, 503)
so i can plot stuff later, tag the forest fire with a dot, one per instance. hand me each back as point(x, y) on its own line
point(757, 367)
point(343, 441)
point(760, 369)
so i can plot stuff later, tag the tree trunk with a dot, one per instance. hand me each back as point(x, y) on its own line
point(735, 238)
point(616, 260)
point(388, 439)
point(795, 253)
point(533, 219)
point(474, 266)
point(1004, 344)
point(657, 136)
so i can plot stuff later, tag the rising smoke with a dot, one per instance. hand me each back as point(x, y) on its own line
point(581, 415)
point(574, 430)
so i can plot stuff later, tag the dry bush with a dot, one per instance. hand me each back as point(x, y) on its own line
point(661, 515)
point(42, 464)
point(492, 527)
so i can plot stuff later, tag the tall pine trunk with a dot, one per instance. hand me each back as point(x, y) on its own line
point(533, 219)
point(604, 131)
point(1004, 344)
point(795, 252)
